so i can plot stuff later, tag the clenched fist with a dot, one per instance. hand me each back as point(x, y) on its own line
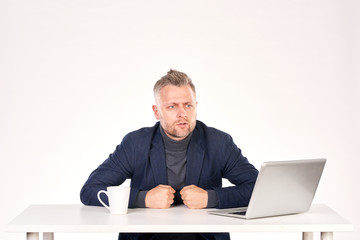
point(194, 197)
point(161, 196)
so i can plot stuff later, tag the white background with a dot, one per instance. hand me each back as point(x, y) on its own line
point(282, 77)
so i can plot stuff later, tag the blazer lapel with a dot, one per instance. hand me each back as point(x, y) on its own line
point(195, 157)
point(157, 159)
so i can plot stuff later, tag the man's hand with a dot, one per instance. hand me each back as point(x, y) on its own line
point(194, 197)
point(161, 196)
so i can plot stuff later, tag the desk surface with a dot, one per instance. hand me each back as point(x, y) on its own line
point(80, 218)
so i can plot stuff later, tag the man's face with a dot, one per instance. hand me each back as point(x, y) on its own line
point(176, 109)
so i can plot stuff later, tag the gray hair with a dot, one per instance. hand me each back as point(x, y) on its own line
point(174, 78)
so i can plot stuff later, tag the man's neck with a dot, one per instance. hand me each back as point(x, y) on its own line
point(175, 145)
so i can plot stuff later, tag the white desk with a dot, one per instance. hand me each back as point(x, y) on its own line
point(50, 219)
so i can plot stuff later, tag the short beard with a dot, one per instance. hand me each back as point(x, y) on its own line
point(177, 137)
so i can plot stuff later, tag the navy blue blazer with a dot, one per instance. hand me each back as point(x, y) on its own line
point(211, 156)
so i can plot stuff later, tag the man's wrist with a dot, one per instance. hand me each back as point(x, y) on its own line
point(140, 199)
point(213, 200)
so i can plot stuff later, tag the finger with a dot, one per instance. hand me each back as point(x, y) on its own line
point(171, 198)
point(166, 206)
point(183, 197)
point(183, 193)
point(187, 187)
point(169, 188)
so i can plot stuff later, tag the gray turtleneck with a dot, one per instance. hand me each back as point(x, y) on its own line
point(176, 163)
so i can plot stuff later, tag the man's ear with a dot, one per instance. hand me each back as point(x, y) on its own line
point(155, 110)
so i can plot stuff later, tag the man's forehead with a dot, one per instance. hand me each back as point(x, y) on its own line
point(176, 94)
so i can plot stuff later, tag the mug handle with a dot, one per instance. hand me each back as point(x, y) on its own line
point(98, 196)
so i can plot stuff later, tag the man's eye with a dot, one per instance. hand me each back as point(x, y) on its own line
point(171, 107)
point(189, 106)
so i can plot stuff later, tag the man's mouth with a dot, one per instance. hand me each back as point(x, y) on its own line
point(182, 124)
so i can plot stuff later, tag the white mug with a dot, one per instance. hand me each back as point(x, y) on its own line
point(118, 199)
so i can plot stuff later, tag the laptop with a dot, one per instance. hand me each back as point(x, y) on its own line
point(281, 188)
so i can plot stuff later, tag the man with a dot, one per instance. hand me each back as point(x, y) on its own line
point(178, 161)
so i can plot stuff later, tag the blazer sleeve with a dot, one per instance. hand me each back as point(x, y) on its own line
point(112, 172)
point(237, 169)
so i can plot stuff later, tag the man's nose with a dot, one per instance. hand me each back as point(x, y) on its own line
point(181, 112)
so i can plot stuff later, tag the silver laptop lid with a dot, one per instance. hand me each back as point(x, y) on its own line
point(285, 187)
